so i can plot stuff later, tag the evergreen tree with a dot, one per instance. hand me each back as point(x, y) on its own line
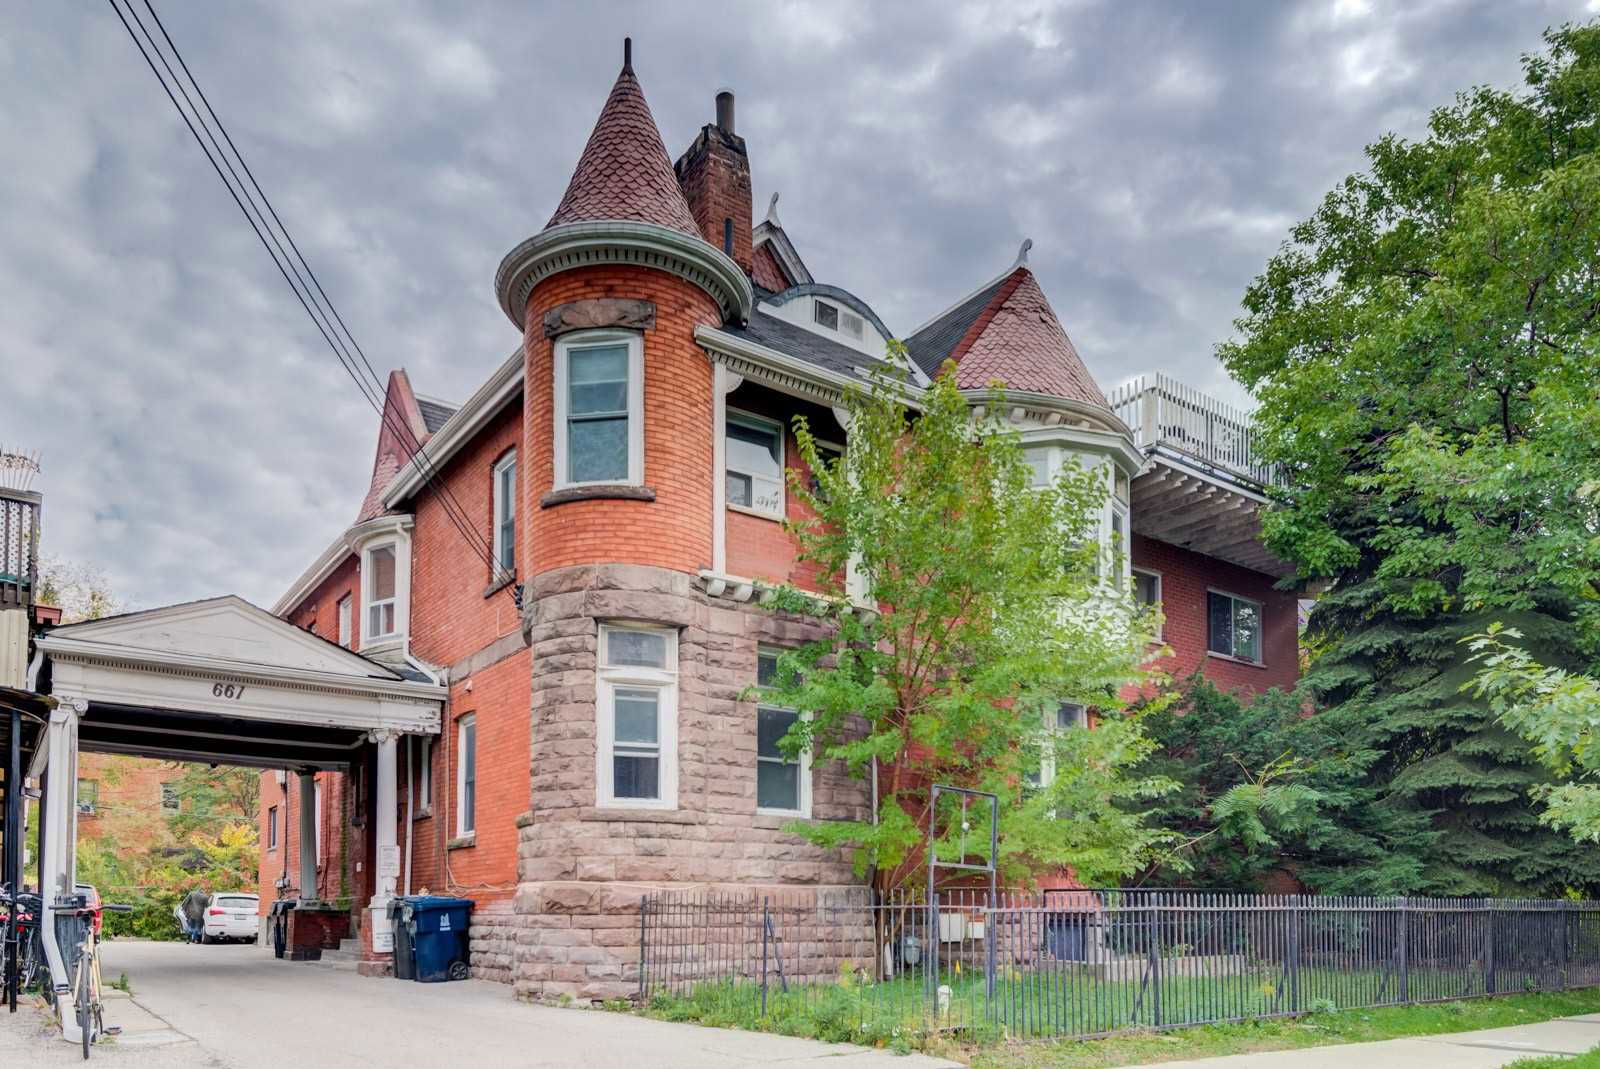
point(1413, 346)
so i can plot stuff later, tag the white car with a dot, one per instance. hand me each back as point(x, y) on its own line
point(231, 915)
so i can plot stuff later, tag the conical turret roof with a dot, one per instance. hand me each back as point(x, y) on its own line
point(624, 173)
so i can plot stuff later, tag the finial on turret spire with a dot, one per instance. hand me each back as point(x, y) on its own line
point(627, 55)
point(1022, 254)
point(772, 211)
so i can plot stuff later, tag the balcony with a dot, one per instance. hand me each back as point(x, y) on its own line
point(19, 531)
point(1204, 486)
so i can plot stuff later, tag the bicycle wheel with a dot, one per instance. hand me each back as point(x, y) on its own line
point(85, 1006)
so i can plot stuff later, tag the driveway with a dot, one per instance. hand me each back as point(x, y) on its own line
point(237, 1007)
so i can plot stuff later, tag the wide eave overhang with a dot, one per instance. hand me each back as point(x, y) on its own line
point(1207, 512)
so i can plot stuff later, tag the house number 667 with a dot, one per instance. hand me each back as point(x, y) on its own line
point(227, 690)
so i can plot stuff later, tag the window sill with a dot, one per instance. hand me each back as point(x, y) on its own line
point(777, 819)
point(500, 584)
point(597, 492)
point(423, 814)
point(1235, 660)
point(638, 815)
point(462, 842)
point(382, 644)
point(774, 517)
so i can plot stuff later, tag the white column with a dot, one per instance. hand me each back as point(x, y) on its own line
point(308, 835)
point(385, 839)
point(58, 862)
point(723, 382)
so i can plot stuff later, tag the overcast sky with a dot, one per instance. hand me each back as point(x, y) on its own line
point(198, 437)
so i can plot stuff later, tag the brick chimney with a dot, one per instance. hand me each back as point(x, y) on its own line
point(715, 176)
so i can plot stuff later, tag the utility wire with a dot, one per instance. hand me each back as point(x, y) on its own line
point(295, 270)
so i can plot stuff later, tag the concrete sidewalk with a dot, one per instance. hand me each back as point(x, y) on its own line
point(1487, 1049)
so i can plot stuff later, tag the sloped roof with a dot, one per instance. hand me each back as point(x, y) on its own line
point(624, 173)
point(807, 345)
point(1007, 333)
point(932, 345)
point(435, 413)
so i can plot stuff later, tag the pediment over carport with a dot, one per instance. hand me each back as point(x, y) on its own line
point(224, 681)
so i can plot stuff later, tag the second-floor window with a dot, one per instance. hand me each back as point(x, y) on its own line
point(505, 512)
point(380, 575)
point(599, 400)
point(272, 827)
point(755, 464)
point(169, 797)
point(344, 621)
point(467, 776)
point(1233, 626)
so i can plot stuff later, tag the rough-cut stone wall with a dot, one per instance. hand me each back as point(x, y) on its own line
point(583, 868)
point(493, 936)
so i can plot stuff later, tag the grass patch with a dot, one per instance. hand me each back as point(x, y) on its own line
point(123, 984)
point(1589, 1060)
point(1313, 1030)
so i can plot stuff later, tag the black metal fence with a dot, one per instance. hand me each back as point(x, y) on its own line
point(1094, 962)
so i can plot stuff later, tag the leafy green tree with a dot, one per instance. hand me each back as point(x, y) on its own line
point(992, 614)
point(1418, 347)
point(210, 797)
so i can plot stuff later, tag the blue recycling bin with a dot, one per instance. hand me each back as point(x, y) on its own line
point(438, 930)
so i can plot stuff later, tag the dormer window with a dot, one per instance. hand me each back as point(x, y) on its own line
point(835, 318)
point(825, 314)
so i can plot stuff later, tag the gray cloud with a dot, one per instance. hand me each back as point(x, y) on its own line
point(197, 435)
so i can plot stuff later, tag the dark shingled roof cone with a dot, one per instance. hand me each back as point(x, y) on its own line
point(624, 173)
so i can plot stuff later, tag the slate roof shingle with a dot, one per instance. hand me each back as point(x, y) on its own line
point(803, 344)
point(624, 173)
point(434, 413)
point(1008, 333)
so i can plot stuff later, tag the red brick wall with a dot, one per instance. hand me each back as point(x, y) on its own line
point(715, 175)
point(321, 606)
point(1185, 578)
point(337, 863)
point(499, 698)
point(674, 530)
point(450, 616)
point(128, 806)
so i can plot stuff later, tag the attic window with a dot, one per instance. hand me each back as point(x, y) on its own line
point(825, 314)
point(850, 323)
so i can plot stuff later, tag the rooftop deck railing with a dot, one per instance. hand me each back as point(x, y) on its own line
point(19, 548)
point(1167, 416)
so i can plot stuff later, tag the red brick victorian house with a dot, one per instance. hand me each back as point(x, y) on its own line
point(625, 464)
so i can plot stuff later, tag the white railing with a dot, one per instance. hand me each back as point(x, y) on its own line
point(1166, 415)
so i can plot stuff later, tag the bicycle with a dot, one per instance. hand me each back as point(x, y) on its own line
point(86, 982)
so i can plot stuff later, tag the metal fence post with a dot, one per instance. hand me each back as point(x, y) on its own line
point(1155, 961)
point(644, 904)
point(1405, 950)
point(1561, 960)
point(1488, 951)
point(1294, 955)
point(766, 923)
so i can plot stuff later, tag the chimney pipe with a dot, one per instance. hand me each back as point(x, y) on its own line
point(725, 111)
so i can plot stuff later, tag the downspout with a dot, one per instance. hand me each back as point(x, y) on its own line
point(411, 802)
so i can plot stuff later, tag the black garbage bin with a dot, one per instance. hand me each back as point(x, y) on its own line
point(401, 920)
point(440, 947)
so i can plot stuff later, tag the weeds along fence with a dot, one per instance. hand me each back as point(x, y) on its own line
point(1089, 963)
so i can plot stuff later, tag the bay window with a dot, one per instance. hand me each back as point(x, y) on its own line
point(599, 409)
point(636, 689)
point(1233, 626)
point(379, 571)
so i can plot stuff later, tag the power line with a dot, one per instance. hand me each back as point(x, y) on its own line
point(308, 290)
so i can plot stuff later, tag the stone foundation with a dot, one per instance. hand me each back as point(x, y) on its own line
point(494, 941)
point(583, 869)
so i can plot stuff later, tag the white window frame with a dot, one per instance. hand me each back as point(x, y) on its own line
point(272, 827)
point(591, 339)
point(346, 621)
point(751, 421)
point(369, 634)
point(804, 756)
point(1261, 628)
point(424, 776)
point(1124, 566)
point(1052, 726)
point(177, 801)
point(462, 725)
point(503, 511)
point(1133, 575)
point(664, 681)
